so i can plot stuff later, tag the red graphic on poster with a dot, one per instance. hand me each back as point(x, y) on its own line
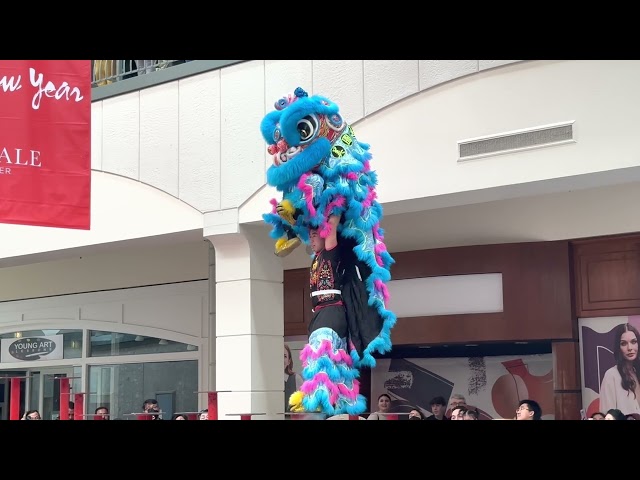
point(45, 143)
point(519, 384)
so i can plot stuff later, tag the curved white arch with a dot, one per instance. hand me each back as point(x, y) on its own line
point(108, 327)
point(121, 209)
point(432, 200)
point(104, 327)
point(414, 140)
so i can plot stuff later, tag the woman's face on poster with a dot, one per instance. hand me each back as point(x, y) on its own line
point(629, 346)
point(287, 359)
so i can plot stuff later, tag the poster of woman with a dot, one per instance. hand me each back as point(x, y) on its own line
point(292, 380)
point(610, 364)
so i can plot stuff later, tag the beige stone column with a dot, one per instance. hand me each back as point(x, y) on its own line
point(249, 318)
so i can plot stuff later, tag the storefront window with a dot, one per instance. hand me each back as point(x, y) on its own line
point(123, 388)
point(105, 344)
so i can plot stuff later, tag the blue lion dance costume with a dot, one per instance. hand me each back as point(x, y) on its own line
point(323, 170)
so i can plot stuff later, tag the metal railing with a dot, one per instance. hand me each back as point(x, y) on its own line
point(106, 72)
point(110, 78)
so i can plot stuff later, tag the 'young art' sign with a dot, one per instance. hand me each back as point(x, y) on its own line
point(29, 349)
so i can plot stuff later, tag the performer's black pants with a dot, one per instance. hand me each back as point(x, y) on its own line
point(333, 317)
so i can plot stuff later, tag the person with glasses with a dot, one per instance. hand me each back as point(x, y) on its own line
point(457, 400)
point(528, 410)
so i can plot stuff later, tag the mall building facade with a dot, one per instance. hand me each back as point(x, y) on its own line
point(509, 187)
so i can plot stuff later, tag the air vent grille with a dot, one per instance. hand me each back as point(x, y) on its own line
point(540, 137)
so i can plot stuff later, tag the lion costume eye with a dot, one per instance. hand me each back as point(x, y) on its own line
point(307, 128)
point(336, 122)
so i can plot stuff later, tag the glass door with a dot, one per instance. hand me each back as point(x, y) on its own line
point(5, 391)
point(44, 393)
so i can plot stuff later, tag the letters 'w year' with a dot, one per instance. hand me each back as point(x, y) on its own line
point(64, 91)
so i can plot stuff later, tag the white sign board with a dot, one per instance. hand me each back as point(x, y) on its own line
point(29, 349)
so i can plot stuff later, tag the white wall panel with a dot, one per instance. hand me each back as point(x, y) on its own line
point(243, 157)
point(121, 135)
point(435, 72)
point(387, 81)
point(174, 308)
point(342, 81)
point(199, 133)
point(447, 295)
point(96, 136)
point(159, 137)
point(487, 64)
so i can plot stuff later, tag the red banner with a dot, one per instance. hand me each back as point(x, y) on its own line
point(45, 143)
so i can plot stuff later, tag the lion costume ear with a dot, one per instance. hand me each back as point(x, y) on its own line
point(269, 125)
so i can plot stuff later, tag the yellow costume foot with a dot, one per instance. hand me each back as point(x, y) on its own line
point(295, 402)
point(286, 211)
point(285, 246)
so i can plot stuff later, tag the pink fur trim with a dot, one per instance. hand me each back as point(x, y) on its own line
point(382, 288)
point(326, 348)
point(380, 247)
point(353, 393)
point(335, 390)
point(371, 196)
point(352, 176)
point(376, 232)
point(307, 190)
point(367, 166)
point(274, 203)
point(325, 228)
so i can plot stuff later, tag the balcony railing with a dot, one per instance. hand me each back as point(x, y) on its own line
point(106, 72)
point(116, 77)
